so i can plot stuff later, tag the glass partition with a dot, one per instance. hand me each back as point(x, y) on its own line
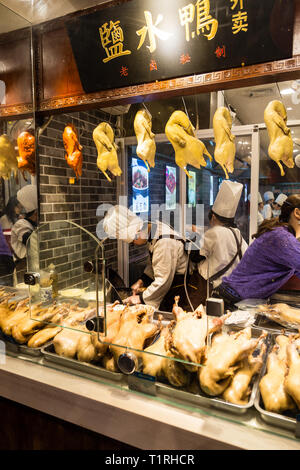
point(17, 133)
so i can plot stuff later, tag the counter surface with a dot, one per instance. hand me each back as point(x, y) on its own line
point(132, 418)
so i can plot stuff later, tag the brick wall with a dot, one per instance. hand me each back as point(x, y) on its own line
point(67, 246)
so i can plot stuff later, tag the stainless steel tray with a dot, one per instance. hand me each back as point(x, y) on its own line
point(13, 347)
point(286, 420)
point(202, 399)
point(50, 355)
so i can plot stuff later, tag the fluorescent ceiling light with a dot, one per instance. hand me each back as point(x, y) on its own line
point(287, 91)
point(289, 109)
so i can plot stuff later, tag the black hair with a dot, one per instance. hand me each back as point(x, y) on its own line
point(225, 221)
point(9, 209)
point(287, 208)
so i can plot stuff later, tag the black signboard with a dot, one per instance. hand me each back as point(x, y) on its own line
point(146, 40)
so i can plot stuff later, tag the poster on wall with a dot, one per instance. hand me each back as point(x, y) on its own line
point(141, 41)
point(192, 189)
point(170, 187)
point(140, 186)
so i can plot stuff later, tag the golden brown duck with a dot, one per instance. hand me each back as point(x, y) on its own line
point(146, 147)
point(281, 312)
point(135, 328)
point(8, 158)
point(272, 388)
point(107, 159)
point(223, 358)
point(158, 362)
point(292, 379)
point(188, 149)
point(189, 332)
point(281, 142)
point(239, 390)
point(73, 149)
point(26, 158)
point(225, 140)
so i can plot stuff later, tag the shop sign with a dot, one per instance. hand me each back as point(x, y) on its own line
point(142, 41)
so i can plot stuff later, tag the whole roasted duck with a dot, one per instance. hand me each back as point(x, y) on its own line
point(159, 362)
point(107, 159)
point(225, 140)
point(282, 314)
point(281, 143)
point(146, 147)
point(292, 379)
point(272, 386)
point(223, 359)
point(188, 149)
point(239, 389)
point(26, 158)
point(8, 158)
point(73, 149)
point(189, 331)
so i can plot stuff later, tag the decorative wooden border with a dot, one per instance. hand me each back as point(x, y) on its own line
point(15, 110)
point(243, 76)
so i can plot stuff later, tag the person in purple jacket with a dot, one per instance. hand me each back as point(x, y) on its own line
point(7, 264)
point(270, 261)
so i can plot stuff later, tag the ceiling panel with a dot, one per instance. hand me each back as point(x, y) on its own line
point(38, 11)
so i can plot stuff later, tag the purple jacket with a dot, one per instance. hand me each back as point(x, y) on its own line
point(4, 248)
point(268, 263)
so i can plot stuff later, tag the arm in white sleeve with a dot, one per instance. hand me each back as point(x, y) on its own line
point(164, 262)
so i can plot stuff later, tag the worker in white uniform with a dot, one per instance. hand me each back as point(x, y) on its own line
point(163, 277)
point(222, 245)
point(268, 207)
point(260, 209)
point(23, 228)
point(278, 204)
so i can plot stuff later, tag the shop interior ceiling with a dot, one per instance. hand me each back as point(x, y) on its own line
point(248, 102)
point(38, 11)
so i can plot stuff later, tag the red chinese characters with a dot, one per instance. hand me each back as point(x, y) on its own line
point(185, 58)
point(124, 71)
point(220, 52)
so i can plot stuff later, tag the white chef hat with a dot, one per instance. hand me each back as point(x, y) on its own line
point(259, 198)
point(121, 223)
point(280, 199)
point(27, 196)
point(228, 199)
point(268, 195)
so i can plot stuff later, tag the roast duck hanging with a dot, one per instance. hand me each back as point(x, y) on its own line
point(188, 149)
point(281, 143)
point(224, 139)
point(26, 147)
point(73, 149)
point(8, 158)
point(104, 136)
point(146, 147)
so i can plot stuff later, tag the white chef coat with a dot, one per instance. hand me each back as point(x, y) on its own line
point(267, 212)
point(219, 247)
point(260, 218)
point(168, 259)
point(18, 230)
point(5, 223)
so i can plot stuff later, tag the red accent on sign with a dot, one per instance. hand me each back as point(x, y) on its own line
point(124, 71)
point(220, 51)
point(185, 58)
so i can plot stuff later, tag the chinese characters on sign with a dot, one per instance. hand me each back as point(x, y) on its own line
point(239, 19)
point(220, 51)
point(139, 41)
point(152, 31)
point(112, 34)
point(205, 23)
